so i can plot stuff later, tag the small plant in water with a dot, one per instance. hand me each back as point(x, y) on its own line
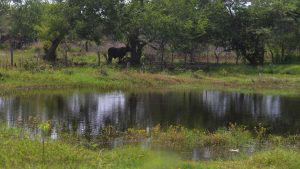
point(45, 127)
point(260, 132)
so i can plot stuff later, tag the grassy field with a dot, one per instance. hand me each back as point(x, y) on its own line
point(21, 151)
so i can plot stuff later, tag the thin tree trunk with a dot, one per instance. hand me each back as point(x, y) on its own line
point(238, 54)
point(12, 54)
point(272, 56)
point(172, 58)
point(162, 48)
point(207, 58)
point(216, 54)
point(282, 53)
point(99, 57)
point(87, 46)
point(192, 56)
point(66, 58)
point(185, 59)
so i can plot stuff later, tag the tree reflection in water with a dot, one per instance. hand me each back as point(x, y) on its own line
point(87, 113)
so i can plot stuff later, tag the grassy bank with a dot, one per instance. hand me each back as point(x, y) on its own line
point(32, 72)
point(268, 79)
point(20, 151)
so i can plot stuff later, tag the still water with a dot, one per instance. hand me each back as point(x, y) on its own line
point(87, 112)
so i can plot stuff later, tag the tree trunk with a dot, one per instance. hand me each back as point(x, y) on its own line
point(135, 57)
point(66, 58)
point(207, 58)
point(99, 57)
point(260, 50)
point(185, 60)
point(87, 46)
point(282, 53)
point(217, 57)
point(238, 55)
point(136, 50)
point(192, 56)
point(12, 54)
point(162, 48)
point(272, 56)
point(172, 58)
point(51, 52)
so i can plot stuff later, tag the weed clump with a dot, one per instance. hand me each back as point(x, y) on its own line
point(103, 71)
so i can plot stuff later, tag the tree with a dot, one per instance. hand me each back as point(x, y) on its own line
point(17, 21)
point(4, 10)
point(58, 19)
point(124, 21)
point(4, 5)
point(240, 25)
point(25, 15)
point(284, 36)
point(177, 23)
point(88, 19)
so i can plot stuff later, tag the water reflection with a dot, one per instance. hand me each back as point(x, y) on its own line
point(87, 113)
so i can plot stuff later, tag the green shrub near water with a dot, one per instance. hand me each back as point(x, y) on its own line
point(181, 138)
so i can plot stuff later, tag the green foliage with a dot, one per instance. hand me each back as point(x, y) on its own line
point(24, 17)
point(55, 21)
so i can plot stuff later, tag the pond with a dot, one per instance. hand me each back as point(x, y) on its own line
point(86, 112)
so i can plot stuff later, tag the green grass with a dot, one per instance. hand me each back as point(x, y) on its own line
point(276, 158)
point(19, 151)
point(114, 78)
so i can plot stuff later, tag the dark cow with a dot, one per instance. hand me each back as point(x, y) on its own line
point(117, 53)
